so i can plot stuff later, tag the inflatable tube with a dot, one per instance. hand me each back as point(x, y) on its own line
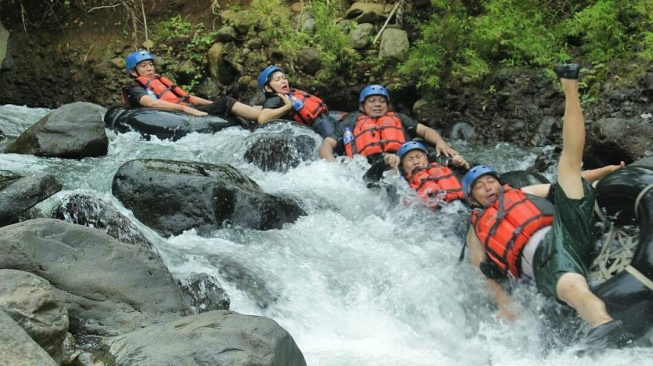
point(522, 178)
point(626, 297)
point(165, 124)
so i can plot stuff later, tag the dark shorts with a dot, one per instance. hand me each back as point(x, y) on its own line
point(220, 106)
point(570, 245)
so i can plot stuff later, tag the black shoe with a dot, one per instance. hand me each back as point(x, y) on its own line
point(608, 335)
point(567, 71)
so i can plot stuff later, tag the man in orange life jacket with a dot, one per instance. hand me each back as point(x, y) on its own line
point(155, 91)
point(519, 233)
point(378, 132)
point(293, 104)
point(434, 182)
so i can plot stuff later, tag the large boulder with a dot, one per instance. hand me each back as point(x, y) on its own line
point(214, 338)
point(174, 196)
point(17, 348)
point(30, 301)
point(74, 131)
point(94, 275)
point(614, 139)
point(22, 193)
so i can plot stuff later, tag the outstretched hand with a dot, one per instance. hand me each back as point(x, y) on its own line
point(458, 160)
point(443, 148)
point(617, 166)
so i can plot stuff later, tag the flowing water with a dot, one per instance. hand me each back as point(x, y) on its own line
point(357, 281)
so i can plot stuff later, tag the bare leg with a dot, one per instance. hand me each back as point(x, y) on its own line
point(573, 289)
point(246, 111)
point(573, 142)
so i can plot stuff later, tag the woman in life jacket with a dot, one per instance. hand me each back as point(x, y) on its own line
point(151, 90)
point(284, 102)
point(435, 183)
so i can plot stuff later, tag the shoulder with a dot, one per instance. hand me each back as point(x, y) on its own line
point(350, 118)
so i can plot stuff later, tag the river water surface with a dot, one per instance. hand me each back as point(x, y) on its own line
point(357, 281)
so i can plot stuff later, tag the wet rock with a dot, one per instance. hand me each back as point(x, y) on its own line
point(94, 212)
point(218, 337)
point(203, 293)
point(281, 145)
point(23, 193)
point(72, 131)
point(94, 275)
point(174, 196)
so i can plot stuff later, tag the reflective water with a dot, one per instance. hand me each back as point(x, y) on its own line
point(357, 282)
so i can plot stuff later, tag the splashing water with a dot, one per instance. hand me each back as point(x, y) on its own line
point(357, 281)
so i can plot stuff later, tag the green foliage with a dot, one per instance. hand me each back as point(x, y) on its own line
point(462, 42)
point(330, 38)
point(197, 42)
point(598, 24)
point(284, 36)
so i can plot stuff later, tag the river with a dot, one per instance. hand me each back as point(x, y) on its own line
point(357, 281)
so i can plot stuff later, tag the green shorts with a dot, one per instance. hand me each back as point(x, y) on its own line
point(570, 245)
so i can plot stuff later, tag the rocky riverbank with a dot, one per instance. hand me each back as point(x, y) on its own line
point(61, 62)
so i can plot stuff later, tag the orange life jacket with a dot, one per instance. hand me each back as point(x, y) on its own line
point(311, 109)
point(505, 227)
point(434, 180)
point(165, 89)
point(376, 135)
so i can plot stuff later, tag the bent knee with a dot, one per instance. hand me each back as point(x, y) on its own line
point(571, 285)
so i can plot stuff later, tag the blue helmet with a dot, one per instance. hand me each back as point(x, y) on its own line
point(473, 174)
point(370, 90)
point(264, 77)
point(135, 57)
point(409, 146)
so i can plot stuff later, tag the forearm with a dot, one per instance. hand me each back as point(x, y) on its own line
point(200, 101)
point(268, 114)
point(326, 150)
point(432, 136)
point(593, 175)
point(162, 104)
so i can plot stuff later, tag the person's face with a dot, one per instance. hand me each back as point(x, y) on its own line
point(413, 159)
point(278, 83)
point(485, 190)
point(143, 68)
point(375, 106)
